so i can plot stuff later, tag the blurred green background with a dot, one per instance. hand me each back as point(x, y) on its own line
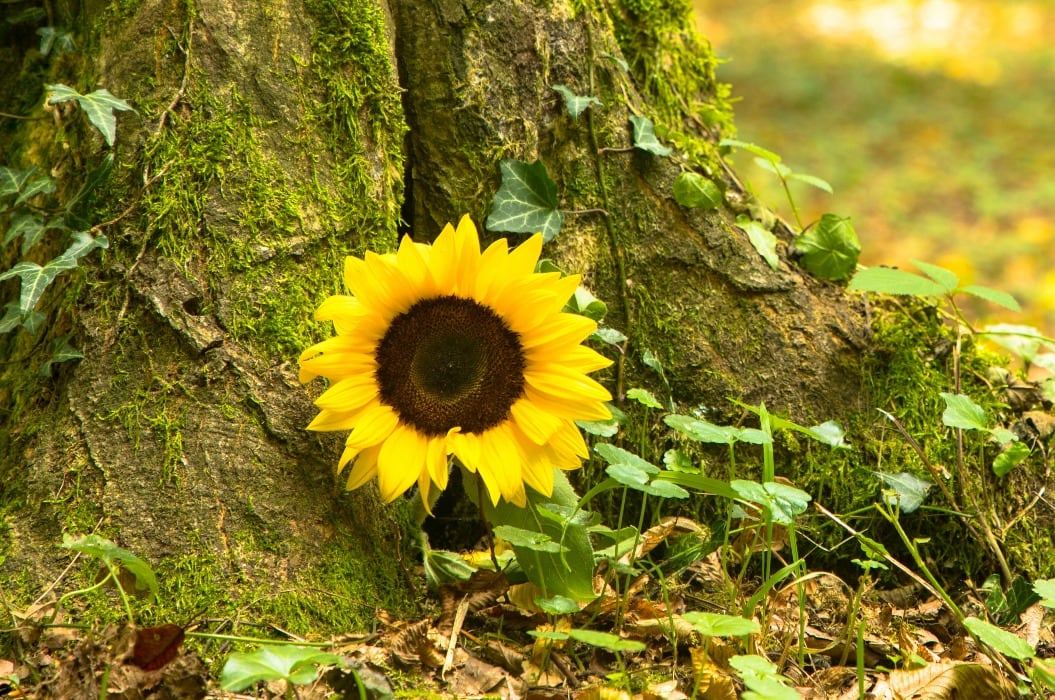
point(932, 119)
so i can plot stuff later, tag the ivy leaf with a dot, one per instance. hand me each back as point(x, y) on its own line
point(963, 413)
point(83, 243)
point(29, 226)
point(99, 106)
point(12, 181)
point(12, 318)
point(830, 250)
point(271, 663)
point(761, 238)
point(584, 303)
point(645, 136)
point(61, 351)
point(609, 335)
point(694, 190)
point(888, 280)
point(35, 280)
point(526, 202)
point(575, 104)
point(41, 185)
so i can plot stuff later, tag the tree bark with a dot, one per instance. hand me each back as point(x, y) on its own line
point(271, 140)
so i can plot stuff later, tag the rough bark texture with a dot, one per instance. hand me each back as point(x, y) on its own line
point(274, 143)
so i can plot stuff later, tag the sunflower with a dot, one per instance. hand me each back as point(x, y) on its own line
point(443, 350)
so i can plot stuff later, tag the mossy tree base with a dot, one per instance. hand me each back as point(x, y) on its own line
point(272, 141)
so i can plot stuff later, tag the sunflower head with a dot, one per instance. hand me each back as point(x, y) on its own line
point(445, 350)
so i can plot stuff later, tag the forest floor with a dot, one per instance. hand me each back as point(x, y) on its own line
point(930, 118)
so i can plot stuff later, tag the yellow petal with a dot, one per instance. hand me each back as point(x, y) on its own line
point(467, 257)
point(401, 461)
point(559, 331)
point(437, 463)
point(349, 394)
point(413, 261)
point(563, 383)
point(335, 420)
point(534, 422)
point(364, 469)
point(376, 423)
point(492, 264)
point(442, 259)
point(538, 474)
point(500, 464)
point(581, 359)
point(524, 257)
point(571, 409)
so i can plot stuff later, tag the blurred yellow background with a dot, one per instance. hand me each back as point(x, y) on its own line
point(934, 121)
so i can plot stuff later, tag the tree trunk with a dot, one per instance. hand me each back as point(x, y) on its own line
point(269, 141)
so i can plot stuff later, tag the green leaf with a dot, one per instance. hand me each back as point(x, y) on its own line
point(12, 181)
point(12, 318)
point(750, 148)
point(644, 397)
point(1008, 644)
point(271, 663)
point(761, 238)
point(645, 137)
point(910, 491)
point(783, 502)
point(812, 180)
point(961, 412)
point(41, 185)
point(35, 280)
point(664, 489)
point(694, 190)
point(528, 539)
point(605, 640)
point(443, 567)
point(617, 455)
point(557, 605)
point(994, 296)
point(1045, 588)
point(584, 303)
point(99, 107)
point(526, 202)
point(716, 625)
point(61, 351)
point(30, 226)
point(888, 280)
point(575, 104)
point(609, 335)
point(83, 243)
point(778, 169)
point(678, 461)
point(106, 551)
point(567, 573)
point(946, 278)
point(762, 680)
point(627, 475)
point(829, 432)
point(830, 249)
point(702, 431)
point(1010, 458)
point(1025, 341)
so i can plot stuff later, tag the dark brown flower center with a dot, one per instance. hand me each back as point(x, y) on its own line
point(449, 361)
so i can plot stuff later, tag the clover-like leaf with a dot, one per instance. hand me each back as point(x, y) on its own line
point(963, 413)
point(909, 491)
point(298, 665)
point(605, 640)
point(109, 553)
point(526, 202)
point(718, 625)
point(829, 250)
point(889, 280)
point(645, 136)
point(575, 104)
